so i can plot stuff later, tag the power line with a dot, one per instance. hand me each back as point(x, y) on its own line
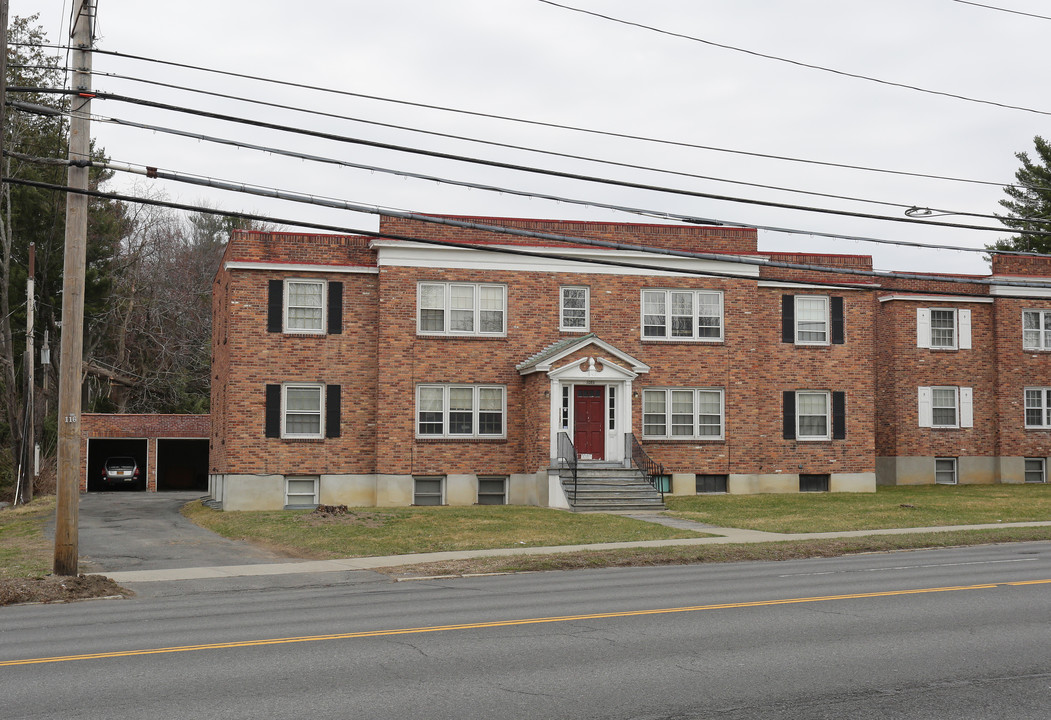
point(271, 192)
point(1013, 12)
point(523, 168)
point(720, 257)
point(540, 123)
point(798, 63)
point(511, 146)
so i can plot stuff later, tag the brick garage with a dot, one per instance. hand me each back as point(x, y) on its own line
point(171, 450)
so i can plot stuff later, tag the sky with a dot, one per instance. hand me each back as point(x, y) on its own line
point(532, 60)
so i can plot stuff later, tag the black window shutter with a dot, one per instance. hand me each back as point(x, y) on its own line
point(335, 308)
point(273, 411)
point(788, 318)
point(275, 306)
point(790, 415)
point(837, 319)
point(839, 415)
point(332, 399)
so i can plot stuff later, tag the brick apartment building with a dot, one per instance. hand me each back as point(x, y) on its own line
point(422, 368)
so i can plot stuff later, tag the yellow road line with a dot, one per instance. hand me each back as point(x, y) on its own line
point(508, 623)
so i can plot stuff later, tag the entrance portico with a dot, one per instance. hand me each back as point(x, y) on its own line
point(591, 395)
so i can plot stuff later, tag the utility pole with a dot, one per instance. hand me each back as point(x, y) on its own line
point(29, 437)
point(75, 259)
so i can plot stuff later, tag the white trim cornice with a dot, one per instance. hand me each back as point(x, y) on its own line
point(401, 253)
point(816, 286)
point(937, 298)
point(299, 268)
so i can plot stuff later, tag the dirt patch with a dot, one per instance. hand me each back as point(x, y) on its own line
point(340, 515)
point(58, 588)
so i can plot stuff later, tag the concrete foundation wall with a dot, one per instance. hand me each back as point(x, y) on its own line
point(349, 490)
point(852, 482)
point(970, 470)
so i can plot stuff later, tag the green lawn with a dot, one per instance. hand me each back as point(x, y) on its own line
point(889, 507)
point(24, 550)
point(367, 532)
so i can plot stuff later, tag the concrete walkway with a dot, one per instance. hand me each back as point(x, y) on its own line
point(720, 536)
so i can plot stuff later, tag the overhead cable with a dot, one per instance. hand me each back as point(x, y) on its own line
point(798, 63)
point(537, 123)
point(522, 168)
point(719, 257)
point(196, 179)
point(1001, 9)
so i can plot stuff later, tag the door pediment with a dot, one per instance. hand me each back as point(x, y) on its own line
point(585, 356)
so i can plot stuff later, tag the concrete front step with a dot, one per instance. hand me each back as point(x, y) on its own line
point(610, 489)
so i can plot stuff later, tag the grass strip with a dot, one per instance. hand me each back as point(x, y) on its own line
point(888, 507)
point(25, 551)
point(739, 552)
point(365, 532)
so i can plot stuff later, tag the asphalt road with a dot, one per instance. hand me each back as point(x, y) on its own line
point(935, 634)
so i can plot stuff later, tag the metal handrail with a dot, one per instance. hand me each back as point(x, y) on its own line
point(567, 454)
point(652, 470)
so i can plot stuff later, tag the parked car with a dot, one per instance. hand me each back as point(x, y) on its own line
point(120, 472)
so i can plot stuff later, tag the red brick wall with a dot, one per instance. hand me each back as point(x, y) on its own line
point(680, 237)
point(1018, 369)
point(905, 367)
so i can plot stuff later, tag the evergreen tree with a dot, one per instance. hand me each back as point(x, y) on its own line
point(1028, 202)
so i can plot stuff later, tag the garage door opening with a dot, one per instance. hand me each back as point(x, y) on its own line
point(182, 465)
point(99, 450)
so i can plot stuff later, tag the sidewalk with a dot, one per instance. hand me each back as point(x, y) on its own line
point(722, 536)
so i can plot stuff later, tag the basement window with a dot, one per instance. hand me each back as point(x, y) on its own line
point(428, 490)
point(492, 490)
point(301, 492)
point(707, 483)
point(813, 483)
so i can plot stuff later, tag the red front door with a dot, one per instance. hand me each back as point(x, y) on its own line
point(589, 425)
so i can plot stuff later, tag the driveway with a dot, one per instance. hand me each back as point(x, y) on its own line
point(144, 531)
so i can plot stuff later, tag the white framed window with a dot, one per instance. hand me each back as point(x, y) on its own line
point(492, 490)
point(812, 319)
point(304, 306)
point(302, 410)
point(1038, 407)
point(301, 491)
point(943, 328)
point(945, 471)
point(460, 411)
point(574, 308)
point(683, 413)
point(813, 415)
point(946, 407)
point(1036, 470)
point(1036, 329)
point(428, 490)
point(461, 309)
point(682, 315)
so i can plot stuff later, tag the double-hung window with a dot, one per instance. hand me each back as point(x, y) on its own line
point(1036, 329)
point(1038, 408)
point(461, 309)
point(943, 328)
point(573, 309)
point(682, 315)
point(303, 408)
point(683, 414)
point(460, 411)
point(815, 415)
point(812, 319)
point(946, 407)
point(304, 306)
